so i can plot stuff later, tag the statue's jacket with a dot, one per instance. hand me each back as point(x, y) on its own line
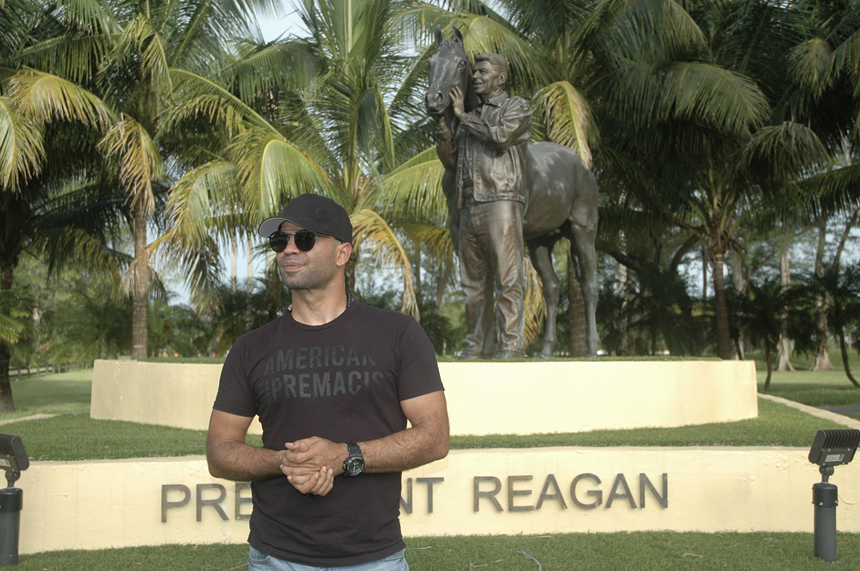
point(492, 141)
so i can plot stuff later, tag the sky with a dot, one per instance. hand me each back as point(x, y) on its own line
point(273, 27)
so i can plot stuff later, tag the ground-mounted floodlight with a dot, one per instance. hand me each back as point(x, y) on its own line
point(830, 448)
point(13, 458)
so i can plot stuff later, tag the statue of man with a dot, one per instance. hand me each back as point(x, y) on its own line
point(488, 152)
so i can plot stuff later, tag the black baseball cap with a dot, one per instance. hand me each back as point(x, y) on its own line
point(312, 212)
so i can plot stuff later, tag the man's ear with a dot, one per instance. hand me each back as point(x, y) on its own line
point(344, 251)
point(503, 77)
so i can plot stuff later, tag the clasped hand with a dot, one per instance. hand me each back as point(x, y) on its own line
point(310, 465)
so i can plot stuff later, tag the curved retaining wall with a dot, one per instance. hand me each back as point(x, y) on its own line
point(483, 398)
point(94, 505)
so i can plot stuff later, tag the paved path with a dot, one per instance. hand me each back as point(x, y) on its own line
point(820, 413)
point(844, 409)
point(34, 417)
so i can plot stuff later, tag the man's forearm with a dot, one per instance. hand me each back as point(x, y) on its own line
point(425, 441)
point(407, 449)
point(233, 460)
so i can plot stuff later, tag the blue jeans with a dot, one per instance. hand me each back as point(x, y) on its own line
point(258, 561)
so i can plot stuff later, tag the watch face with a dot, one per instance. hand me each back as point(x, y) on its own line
point(354, 466)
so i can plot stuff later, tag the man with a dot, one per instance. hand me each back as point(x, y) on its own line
point(333, 382)
point(487, 153)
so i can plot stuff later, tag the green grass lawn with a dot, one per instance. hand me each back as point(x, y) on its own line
point(61, 393)
point(640, 551)
point(821, 388)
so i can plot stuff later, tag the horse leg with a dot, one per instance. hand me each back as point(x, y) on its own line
point(586, 257)
point(449, 189)
point(540, 252)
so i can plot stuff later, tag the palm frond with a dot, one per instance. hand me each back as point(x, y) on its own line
point(141, 44)
point(789, 149)
point(91, 16)
point(374, 232)
point(207, 198)
point(140, 163)
point(272, 169)
point(76, 59)
point(10, 329)
point(197, 95)
point(200, 261)
point(534, 304)
point(76, 248)
point(413, 191)
point(714, 95)
point(44, 97)
point(835, 190)
point(846, 59)
point(568, 117)
point(435, 242)
point(287, 63)
point(810, 64)
point(21, 147)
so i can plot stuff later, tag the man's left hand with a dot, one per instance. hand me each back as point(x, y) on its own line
point(315, 453)
point(317, 483)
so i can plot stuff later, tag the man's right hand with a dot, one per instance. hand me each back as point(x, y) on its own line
point(458, 101)
point(305, 479)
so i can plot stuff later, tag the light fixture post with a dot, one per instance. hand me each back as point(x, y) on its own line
point(830, 448)
point(13, 458)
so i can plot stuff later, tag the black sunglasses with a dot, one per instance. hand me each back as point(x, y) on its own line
point(303, 239)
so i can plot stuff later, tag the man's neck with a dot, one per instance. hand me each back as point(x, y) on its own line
point(314, 307)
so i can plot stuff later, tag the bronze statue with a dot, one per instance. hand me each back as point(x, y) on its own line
point(559, 199)
point(487, 155)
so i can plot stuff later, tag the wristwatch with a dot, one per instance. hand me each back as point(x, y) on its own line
point(354, 463)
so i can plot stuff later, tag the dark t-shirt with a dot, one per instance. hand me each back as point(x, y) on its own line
point(342, 381)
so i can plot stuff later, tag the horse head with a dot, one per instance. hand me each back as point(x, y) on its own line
point(449, 68)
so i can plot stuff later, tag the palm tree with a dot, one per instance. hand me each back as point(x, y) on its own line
point(760, 318)
point(123, 61)
point(841, 287)
point(694, 131)
point(824, 65)
point(334, 131)
point(58, 202)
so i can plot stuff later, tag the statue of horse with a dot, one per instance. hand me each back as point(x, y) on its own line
point(562, 198)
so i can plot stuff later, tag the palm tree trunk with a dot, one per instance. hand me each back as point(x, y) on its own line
point(234, 265)
point(846, 232)
point(822, 356)
point(7, 404)
point(784, 344)
point(141, 276)
point(721, 311)
point(576, 312)
point(249, 284)
point(844, 349)
point(769, 365)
